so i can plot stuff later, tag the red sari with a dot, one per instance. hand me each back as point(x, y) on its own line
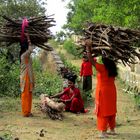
point(105, 99)
point(76, 104)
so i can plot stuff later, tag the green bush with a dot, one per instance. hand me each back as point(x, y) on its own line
point(9, 78)
point(69, 65)
point(45, 82)
point(71, 48)
point(54, 43)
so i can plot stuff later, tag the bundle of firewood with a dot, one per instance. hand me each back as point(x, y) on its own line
point(112, 42)
point(38, 29)
point(51, 108)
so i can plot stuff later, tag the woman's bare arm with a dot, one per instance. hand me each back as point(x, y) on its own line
point(30, 48)
point(88, 44)
point(29, 42)
point(57, 95)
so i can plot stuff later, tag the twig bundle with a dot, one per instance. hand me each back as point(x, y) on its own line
point(114, 43)
point(52, 113)
point(38, 29)
point(51, 108)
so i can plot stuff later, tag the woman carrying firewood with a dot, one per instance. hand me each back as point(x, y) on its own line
point(105, 96)
point(71, 97)
point(26, 75)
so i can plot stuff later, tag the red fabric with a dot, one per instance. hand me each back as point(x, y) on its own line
point(24, 25)
point(104, 122)
point(105, 98)
point(86, 68)
point(76, 105)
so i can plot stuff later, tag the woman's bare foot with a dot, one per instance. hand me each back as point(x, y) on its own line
point(103, 134)
point(29, 115)
point(112, 132)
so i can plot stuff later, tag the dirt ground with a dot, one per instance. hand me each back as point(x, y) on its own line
point(73, 127)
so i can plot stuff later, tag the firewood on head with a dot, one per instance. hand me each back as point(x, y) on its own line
point(112, 42)
point(38, 29)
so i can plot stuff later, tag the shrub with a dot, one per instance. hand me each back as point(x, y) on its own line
point(45, 81)
point(71, 48)
point(9, 78)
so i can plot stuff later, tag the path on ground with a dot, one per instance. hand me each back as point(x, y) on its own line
point(73, 127)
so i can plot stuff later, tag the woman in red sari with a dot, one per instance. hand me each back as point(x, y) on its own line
point(71, 97)
point(105, 95)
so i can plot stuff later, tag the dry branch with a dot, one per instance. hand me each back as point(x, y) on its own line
point(38, 28)
point(112, 42)
point(51, 108)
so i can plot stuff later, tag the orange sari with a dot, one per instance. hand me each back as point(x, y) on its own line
point(105, 98)
point(26, 83)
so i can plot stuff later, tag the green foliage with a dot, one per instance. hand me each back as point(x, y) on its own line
point(45, 82)
point(71, 47)
point(21, 8)
point(123, 13)
point(60, 36)
point(9, 78)
point(80, 11)
point(54, 43)
point(6, 136)
point(37, 65)
point(69, 65)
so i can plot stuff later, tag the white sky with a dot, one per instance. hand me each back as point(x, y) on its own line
point(58, 8)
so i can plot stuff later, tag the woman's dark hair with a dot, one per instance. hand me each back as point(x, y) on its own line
point(110, 66)
point(72, 78)
point(23, 47)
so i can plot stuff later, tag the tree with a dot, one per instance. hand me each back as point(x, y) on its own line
point(123, 13)
point(79, 12)
point(60, 36)
point(21, 8)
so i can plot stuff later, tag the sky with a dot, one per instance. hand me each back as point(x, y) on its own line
point(58, 8)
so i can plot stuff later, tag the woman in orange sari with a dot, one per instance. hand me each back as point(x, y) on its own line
point(105, 95)
point(26, 76)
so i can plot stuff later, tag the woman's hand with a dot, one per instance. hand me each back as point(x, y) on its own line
point(60, 100)
point(27, 36)
point(88, 44)
point(51, 97)
point(28, 39)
